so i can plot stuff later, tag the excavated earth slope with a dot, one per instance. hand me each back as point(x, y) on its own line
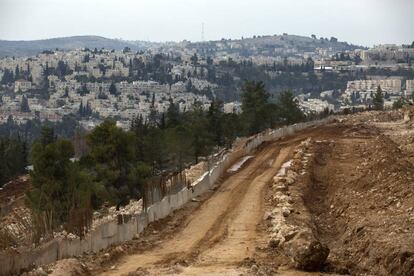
point(337, 199)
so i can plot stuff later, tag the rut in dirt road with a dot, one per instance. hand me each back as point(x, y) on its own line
point(224, 226)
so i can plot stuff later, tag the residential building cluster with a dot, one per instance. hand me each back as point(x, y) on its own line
point(80, 78)
point(98, 84)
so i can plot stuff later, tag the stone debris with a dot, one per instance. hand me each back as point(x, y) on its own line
point(195, 171)
point(297, 241)
point(134, 207)
point(62, 267)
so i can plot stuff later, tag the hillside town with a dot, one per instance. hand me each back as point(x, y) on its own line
point(97, 84)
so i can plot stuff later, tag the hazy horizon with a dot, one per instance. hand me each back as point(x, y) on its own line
point(365, 23)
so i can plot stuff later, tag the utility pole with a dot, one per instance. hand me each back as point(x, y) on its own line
point(202, 31)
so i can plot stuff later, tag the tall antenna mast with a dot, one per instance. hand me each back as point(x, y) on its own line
point(202, 31)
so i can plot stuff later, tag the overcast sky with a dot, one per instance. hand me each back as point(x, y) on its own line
point(364, 22)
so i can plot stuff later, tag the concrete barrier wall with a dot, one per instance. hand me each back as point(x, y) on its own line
point(113, 232)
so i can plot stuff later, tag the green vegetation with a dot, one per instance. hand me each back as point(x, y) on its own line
point(400, 103)
point(24, 107)
point(289, 111)
point(117, 163)
point(113, 162)
point(31, 130)
point(13, 158)
point(16, 140)
point(378, 99)
point(61, 189)
point(255, 107)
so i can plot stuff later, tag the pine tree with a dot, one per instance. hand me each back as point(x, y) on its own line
point(81, 111)
point(47, 136)
point(61, 191)
point(189, 86)
point(194, 59)
point(17, 72)
point(88, 109)
point(8, 77)
point(173, 114)
point(163, 123)
point(254, 101)
point(288, 109)
point(153, 115)
point(378, 100)
point(66, 93)
point(112, 89)
point(215, 119)
point(24, 107)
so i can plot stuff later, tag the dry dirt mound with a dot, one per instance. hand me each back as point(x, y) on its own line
point(15, 221)
point(290, 223)
point(350, 194)
point(65, 267)
point(362, 201)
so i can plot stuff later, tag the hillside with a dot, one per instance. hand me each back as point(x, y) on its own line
point(275, 45)
point(265, 44)
point(33, 47)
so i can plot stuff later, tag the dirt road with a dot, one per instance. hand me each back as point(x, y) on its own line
point(222, 232)
point(349, 188)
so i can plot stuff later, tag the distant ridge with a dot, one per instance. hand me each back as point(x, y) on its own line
point(33, 47)
point(302, 43)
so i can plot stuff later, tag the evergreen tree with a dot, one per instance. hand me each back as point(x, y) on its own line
point(88, 110)
point(189, 86)
point(288, 109)
point(140, 130)
point(202, 138)
point(81, 110)
point(153, 115)
point(8, 77)
point(194, 59)
point(163, 123)
point(173, 114)
point(215, 118)
point(378, 100)
point(254, 102)
point(399, 103)
point(209, 61)
point(154, 148)
point(17, 72)
point(66, 93)
point(47, 136)
point(83, 90)
point(61, 190)
point(112, 159)
point(13, 158)
point(86, 58)
point(112, 89)
point(179, 144)
point(24, 106)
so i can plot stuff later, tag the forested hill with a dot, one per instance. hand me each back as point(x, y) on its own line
point(33, 47)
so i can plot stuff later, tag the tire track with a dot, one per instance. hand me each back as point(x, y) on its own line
point(226, 220)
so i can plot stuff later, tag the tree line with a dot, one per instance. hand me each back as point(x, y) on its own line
point(16, 140)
